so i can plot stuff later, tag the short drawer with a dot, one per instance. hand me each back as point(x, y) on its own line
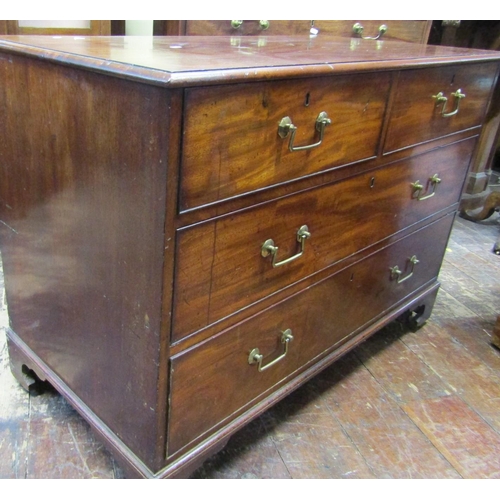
point(238, 138)
point(408, 31)
point(220, 266)
point(244, 28)
point(214, 381)
point(435, 102)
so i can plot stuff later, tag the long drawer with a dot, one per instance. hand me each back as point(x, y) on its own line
point(223, 267)
point(434, 102)
point(238, 138)
point(213, 381)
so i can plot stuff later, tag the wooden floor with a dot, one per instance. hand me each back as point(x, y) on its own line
point(402, 405)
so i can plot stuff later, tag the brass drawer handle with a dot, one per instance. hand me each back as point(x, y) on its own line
point(358, 30)
point(396, 272)
point(418, 188)
point(263, 25)
point(441, 98)
point(269, 248)
point(286, 126)
point(256, 358)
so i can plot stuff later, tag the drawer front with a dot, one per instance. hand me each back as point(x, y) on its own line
point(214, 380)
point(242, 28)
point(232, 143)
point(408, 31)
point(220, 267)
point(428, 105)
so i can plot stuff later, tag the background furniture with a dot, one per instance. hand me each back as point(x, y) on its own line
point(480, 198)
point(410, 31)
point(82, 28)
point(47, 28)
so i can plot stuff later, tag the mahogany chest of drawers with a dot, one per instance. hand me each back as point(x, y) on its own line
point(192, 227)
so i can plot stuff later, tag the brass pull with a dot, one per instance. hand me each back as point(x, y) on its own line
point(441, 98)
point(268, 248)
point(286, 126)
point(418, 188)
point(358, 30)
point(256, 357)
point(313, 30)
point(396, 272)
point(263, 25)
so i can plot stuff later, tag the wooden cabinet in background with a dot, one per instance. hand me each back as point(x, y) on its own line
point(408, 31)
point(192, 228)
point(480, 198)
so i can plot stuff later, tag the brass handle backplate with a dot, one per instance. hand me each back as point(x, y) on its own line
point(256, 358)
point(287, 127)
point(443, 100)
point(263, 25)
point(396, 273)
point(269, 248)
point(418, 188)
point(358, 29)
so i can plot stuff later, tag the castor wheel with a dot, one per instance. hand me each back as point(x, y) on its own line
point(496, 249)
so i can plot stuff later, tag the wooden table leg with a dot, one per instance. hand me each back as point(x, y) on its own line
point(490, 204)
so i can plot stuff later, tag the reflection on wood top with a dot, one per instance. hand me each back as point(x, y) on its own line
point(174, 61)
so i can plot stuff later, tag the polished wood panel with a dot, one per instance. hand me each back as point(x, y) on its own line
point(82, 204)
point(416, 107)
point(220, 267)
point(215, 380)
point(176, 61)
point(228, 153)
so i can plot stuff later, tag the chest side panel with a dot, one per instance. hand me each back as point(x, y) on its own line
point(82, 198)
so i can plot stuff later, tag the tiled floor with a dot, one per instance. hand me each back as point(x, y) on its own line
point(402, 405)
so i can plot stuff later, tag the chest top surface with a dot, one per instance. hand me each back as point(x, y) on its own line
point(181, 61)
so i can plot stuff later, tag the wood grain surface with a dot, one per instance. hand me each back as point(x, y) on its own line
point(220, 267)
point(91, 233)
point(228, 153)
point(90, 173)
point(214, 380)
point(175, 61)
point(436, 391)
point(416, 108)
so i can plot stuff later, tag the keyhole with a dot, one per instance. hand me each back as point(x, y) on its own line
point(352, 277)
point(308, 99)
point(452, 79)
point(372, 182)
